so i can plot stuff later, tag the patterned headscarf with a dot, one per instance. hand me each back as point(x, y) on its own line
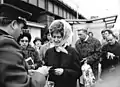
point(65, 26)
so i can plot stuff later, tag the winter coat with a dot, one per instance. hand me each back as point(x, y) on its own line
point(69, 62)
point(13, 72)
point(31, 52)
point(108, 63)
point(90, 49)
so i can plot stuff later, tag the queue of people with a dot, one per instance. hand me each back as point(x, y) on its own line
point(22, 65)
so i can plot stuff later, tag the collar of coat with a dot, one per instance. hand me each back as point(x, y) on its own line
point(89, 40)
point(29, 47)
point(3, 32)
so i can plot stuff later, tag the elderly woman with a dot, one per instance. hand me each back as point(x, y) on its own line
point(62, 58)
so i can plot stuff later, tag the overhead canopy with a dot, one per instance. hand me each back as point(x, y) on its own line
point(106, 22)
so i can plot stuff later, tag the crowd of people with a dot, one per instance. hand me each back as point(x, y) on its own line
point(24, 65)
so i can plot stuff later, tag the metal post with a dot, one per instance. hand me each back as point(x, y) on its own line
point(77, 11)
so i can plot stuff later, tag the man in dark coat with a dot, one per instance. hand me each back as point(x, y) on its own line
point(89, 48)
point(110, 54)
point(13, 72)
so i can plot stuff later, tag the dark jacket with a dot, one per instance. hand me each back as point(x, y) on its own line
point(31, 52)
point(90, 49)
point(115, 49)
point(12, 65)
point(69, 62)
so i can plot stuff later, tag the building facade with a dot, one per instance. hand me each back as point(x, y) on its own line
point(45, 11)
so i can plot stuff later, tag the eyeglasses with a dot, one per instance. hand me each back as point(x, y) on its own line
point(24, 40)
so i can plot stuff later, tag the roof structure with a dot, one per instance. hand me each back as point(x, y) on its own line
point(107, 22)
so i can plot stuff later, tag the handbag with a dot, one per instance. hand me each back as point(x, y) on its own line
point(49, 83)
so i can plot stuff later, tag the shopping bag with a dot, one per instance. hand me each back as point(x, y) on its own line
point(88, 76)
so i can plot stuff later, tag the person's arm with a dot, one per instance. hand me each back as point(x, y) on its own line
point(78, 50)
point(37, 60)
point(75, 70)
point(14, 74)
point(95, 56)
point(42, 53)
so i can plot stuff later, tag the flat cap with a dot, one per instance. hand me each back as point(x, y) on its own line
point(13, 12)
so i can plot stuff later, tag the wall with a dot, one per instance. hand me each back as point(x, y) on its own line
point(35, 32)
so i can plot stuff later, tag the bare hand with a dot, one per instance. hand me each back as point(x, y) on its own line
point(43, 70)
point(84, 60)
point(59, 71)
point(31, 72)
point(110, 55)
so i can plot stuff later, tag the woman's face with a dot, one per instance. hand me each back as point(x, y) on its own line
point(24, 42)
point(38, 43)
point(49, 36)
point(57, 38)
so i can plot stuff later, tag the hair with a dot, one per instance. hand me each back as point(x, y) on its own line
point(58, 31)
point(36, 39)
point(44, 38)
point(107, 30)
point(84, 30)
point(90, 33)
point(103, 31)
point(28, 35)
point(57, 27)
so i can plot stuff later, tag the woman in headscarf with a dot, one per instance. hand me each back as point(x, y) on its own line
point(62, 58)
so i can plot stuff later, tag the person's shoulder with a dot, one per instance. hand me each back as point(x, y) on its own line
point(45, 45)
point(105, 45)
point(8, 40)
point(30, 48)
point(78, 41)
point(118, 44)
point(50, 50)
point(94, 40)
point(7, 37)
point(69, 47)
point(72, 49)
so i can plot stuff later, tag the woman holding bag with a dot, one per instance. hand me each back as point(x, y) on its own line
point(64, 59)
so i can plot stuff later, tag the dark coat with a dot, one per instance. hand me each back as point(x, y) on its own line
point(69, 62)
point(31, 52)
point(115, 49)
point(90, 49)
point(12, 65)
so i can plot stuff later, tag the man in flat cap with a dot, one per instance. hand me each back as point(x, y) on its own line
point(13, 72)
